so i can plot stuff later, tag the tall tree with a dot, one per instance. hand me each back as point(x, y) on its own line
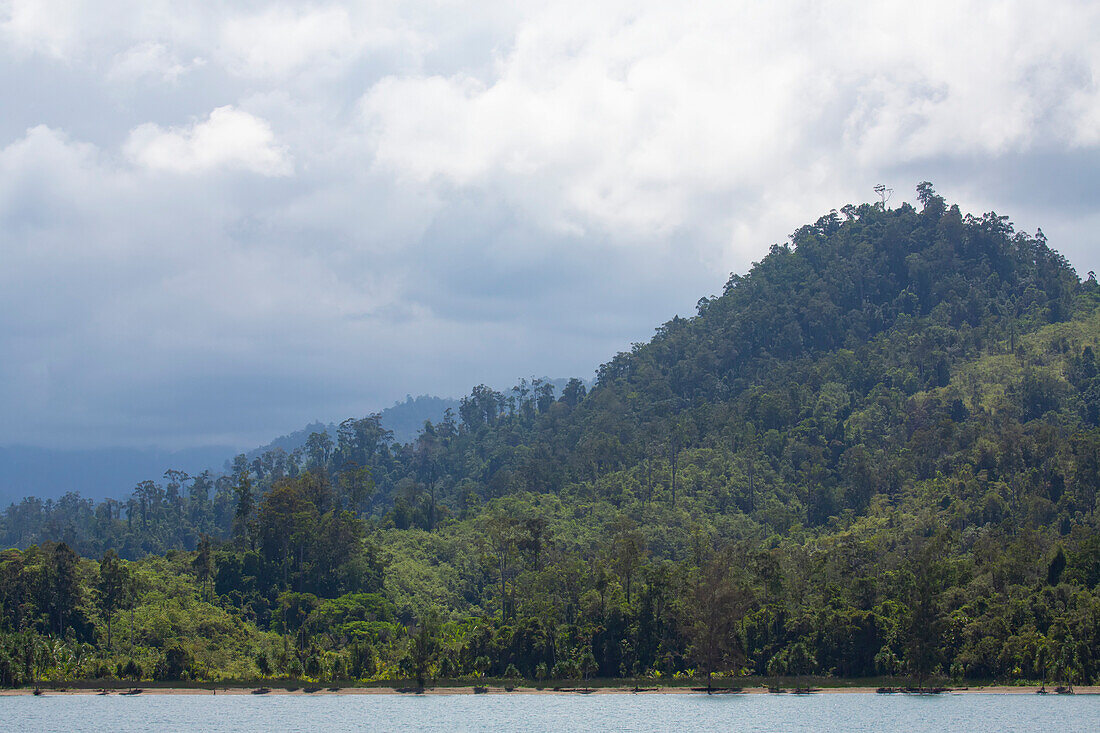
point(112, 589)
point(242, 517)
point(504, 535)
point(203, 564)
point(925, 620)
point(64, 585)
point(718, 599)
point(627, 551)
point(424, 648)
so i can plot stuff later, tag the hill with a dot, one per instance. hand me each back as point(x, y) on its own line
point(876, 453)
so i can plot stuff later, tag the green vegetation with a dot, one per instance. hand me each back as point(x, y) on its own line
point(878, 453)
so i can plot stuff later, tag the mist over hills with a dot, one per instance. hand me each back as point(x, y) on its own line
point(51, 472)
point(405, 419)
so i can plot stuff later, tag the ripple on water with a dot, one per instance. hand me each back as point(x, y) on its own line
point(523, 712)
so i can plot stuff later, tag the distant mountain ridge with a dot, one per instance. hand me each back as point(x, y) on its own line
point(404, 419)
point(50, 473)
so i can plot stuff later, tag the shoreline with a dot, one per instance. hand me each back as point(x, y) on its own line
point(501, 690)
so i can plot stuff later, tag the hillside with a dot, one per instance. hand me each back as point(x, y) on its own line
point(876, 453)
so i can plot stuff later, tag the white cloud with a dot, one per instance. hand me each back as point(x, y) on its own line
point(624, 118)
point(281, 40)
point(228, 138)
point(517, 187)
point(50, 27)
point(149, 60)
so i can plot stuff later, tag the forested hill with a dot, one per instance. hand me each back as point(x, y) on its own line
point(811, 359)
point(864, 307)
point(876, 452)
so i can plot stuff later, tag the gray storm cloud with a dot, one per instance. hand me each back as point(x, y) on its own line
point(218, 222)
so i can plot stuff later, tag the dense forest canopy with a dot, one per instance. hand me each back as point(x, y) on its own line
point(876, 453)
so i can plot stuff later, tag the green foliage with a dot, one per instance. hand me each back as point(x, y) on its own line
point(878, 452)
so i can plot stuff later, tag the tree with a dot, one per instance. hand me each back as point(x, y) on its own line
point(132, 590)
point(294, 609)
point(176, 663)
point(925, 620)
point(573, 392)
point(424, 648)
point(112, 588)
point(719, 598)
point(588, 665)
point(932, 203)
point(504, 535)
point(203, 564)
point(532, 541)
point(198, 499)
point(173, 492)
point(356, 485)
point(1057, 565)
point(361, 442)
point(36, 657)
point(627, 551)
point(149, 496)
point(319, 449)
point(242, 518)
point(675, 444)
point(64, 585)
point(132, 671)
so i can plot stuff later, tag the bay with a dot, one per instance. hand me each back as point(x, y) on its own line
point(533, 712)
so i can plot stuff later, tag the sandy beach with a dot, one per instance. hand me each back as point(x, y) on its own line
point(470, 690)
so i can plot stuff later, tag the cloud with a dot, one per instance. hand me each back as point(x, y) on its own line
point(623, 120)
point(219, 221)
point(228, 138)
point(49, 27)
point(149, 60)
point(279, 40)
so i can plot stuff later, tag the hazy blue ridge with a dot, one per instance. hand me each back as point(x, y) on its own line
point(50, 473)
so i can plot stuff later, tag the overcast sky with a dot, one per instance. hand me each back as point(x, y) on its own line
point(219, 221)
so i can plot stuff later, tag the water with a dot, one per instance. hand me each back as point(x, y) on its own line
point(520, 712)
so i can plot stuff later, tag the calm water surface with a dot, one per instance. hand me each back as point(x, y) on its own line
point(519, 712)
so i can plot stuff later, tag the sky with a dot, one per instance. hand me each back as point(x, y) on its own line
point(220, 221)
